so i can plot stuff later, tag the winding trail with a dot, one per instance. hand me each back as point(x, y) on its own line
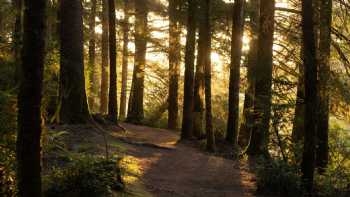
point(166, 167)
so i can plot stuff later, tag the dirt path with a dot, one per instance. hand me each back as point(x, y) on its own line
point(167, 168)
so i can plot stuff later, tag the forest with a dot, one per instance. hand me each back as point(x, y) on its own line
point(174, 98)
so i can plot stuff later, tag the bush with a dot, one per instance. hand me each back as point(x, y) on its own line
point(278, 177)
point(7, 143)
point(85, 176)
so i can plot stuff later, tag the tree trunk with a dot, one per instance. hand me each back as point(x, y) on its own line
point(187, 121)
point(198, 105)
point(29, 100)
point(322, 152)
point(236, 53)
point(310, 83)
point(92, 45)
point(112, 100)
point(174, 63)
point(298, 124)
point(136, 114)
point(122, 112)
point(17, 38)
point(248, 119)
point(207, 79)
point(105, 57)
point(73, 103)
point(262, 105)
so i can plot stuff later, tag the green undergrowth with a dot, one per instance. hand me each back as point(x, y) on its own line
point(84, 176)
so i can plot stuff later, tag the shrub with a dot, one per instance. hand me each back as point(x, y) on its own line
point(85, 176)
point(278, 177)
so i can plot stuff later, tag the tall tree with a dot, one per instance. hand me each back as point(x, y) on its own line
point(73, 103)
point(187, 117)
point(263, 84)
point(104, 54)
point(236, 53)
point(136, 113)
point(174, 63)
point(112, 101)
point(247, 119)
point(207, 79)
point(122, 112)
point(310, 84)
point(92, 55)
point(298, 123)
point(29, 100)
point(18, 6)
point(322, 152)
point(198, 102)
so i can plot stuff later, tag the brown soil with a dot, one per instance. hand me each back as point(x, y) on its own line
point(171, 168)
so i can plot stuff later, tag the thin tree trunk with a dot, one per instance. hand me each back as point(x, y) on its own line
point(187, 121)
point(105, 57)
point(263, 85)
point(136, 114)
point(310, 82)
point(198, 105)
point(122, 112)
point(236, 53)
point(174, 63)
point(29, 100)
point(248, 119)
point(298, 124)
point(322, 152)
point(92, 53)
point(73, 103)
point(112, 100)
point(207, 80)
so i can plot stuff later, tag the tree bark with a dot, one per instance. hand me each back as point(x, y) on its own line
point(174, 63)
point(136, 113)
point(92, 55)
point(322, 152)
point(298, 131)
point(248, 106)
point(198, 105)
point(73, 102)
point(122, 112)
point(310, 83)
point(29, 100)
point(17, 37)
point(187, 121)
point(262, 105)
point(105, 57)
point(207, 80)
point(298, 124)
point(236, 53)
point(112, 100)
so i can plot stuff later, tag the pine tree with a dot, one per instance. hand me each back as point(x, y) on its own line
point(105, 57)
point(322, 152)
point(136, 111)
point(112, 98)
point(92, 55)
point(248, 106)
point(28, 147)
point(174, 63)
point(236, 53)
point(263, 83)
point(73, 103)
point(122, 112)
point(310, 84)
point(187, 117)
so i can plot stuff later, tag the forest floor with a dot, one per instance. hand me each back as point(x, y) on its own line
point(157, 164)
point(167, 167)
